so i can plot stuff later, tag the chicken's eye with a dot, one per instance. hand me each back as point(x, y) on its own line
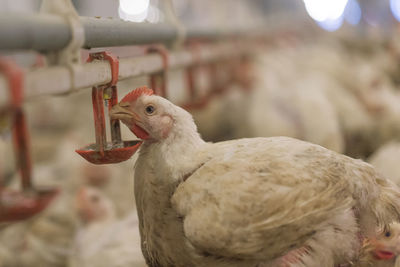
point(388, 234)
point(150, 109)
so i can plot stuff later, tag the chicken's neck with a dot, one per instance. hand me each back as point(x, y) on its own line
point(159, 169)
point(174, 157)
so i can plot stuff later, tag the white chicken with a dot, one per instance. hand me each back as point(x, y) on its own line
point(44, 240)
point(271, 103)
point(386, 161)
point(319, 117)
point(222, 108)
point(383, 249)
point(246, 202)
point(376, 93)
point(105, 240)
point(355, 122)
point(291, 102)
point(334, 70)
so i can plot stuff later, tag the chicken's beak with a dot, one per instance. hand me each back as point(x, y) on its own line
point(121, 111)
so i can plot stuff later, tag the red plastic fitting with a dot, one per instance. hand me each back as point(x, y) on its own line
point(100, 153)
point(16, 205)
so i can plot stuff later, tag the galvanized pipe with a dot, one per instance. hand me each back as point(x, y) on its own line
point(37, 32)
point(115, 32)
point(61, 80)
point(45, 32)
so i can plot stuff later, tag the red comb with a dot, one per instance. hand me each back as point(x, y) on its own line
point(135, 94)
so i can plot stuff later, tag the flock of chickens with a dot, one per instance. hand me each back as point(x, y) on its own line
point(195, 202)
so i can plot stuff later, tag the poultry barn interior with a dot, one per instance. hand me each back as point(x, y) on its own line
point(326, 72)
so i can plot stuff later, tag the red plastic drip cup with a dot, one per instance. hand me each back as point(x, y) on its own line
point(103, 152)
point(21, 205)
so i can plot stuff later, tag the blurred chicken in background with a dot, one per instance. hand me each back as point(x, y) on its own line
point(104, 240)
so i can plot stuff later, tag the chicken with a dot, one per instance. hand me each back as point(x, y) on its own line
point(249, 202)
point(320, 121)
point(287, 105)
point(12, 236)
point(44, 240)
point(96, 175)
point(220, 127)
point(385, 160)
point(105, 240)
point(384, 248)
point(334, 70)
point(272, 104)
point(356, 124)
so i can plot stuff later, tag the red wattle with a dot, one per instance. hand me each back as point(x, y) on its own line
point(383, 255)
point(139, 132)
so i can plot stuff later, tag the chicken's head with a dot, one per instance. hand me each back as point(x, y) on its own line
point(151, 117)
point(93, 205)
point(96, 175)
point(386, 245)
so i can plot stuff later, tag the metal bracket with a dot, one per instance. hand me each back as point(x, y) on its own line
point(170, 15)
point(71, 53)
point(163, 52)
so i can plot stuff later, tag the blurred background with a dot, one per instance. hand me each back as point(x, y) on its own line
point(324, 71)
point(330, 15)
